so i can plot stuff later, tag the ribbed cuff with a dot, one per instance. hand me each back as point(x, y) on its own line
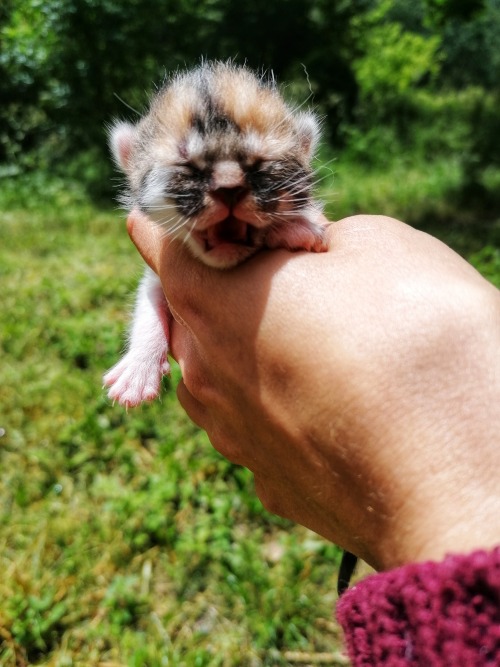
point(432, 614)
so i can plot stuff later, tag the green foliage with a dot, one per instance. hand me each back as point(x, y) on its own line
point(397, 58)
point(125, 602)
point(373, 67)
point(482, 153)
point(487, 260)
point(395, 62)
point(441, 11)
point(35, 619)
point(469, 49)
point(125, 537)
point(70, 63)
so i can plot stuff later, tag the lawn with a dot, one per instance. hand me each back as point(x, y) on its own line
point(126, 540)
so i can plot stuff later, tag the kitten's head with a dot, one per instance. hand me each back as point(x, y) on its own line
point(218, 159)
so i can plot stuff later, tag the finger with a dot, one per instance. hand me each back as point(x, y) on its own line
point(146, 236)
point(221, 440)
point(203, 297)
point(194, 409)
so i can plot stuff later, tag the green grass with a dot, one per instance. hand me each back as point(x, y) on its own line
point(427, 194)
point(402, 189)
point(125, 539)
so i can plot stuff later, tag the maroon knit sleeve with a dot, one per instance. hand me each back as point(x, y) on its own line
point(426, 614)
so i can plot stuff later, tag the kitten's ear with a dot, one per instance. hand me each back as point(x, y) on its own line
point(308, 129)
point(121, 138)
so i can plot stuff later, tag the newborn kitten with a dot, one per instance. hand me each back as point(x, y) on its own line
point(222, 163)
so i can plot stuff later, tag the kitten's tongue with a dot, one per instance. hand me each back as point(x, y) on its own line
point(230, 230)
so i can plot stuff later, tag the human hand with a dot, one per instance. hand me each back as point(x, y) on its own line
point(361, 386)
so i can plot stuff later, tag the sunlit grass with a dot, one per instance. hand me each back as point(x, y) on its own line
point(405, 190)
point(126, 540)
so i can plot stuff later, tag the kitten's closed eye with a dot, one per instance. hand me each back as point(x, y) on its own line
point(193, 171)
point(255, 165)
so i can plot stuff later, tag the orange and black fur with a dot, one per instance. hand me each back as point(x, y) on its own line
point(222, 163)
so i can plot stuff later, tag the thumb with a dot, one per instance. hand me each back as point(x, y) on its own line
point(146, 236)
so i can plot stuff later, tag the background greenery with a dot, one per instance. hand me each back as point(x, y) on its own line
point(125, 539)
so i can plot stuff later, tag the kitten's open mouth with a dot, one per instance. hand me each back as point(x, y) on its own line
point(227, 243)
point(230, 231)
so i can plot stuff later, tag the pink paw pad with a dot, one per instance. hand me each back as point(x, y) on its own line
point(134, 379)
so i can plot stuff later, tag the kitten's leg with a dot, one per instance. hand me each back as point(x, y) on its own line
point(305, 232)
point(137, 376)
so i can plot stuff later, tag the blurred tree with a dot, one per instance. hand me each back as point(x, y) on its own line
point(471, 59)
point(66, 61)
point(70, 57)
point(311, 41)
point(67, 67)
point(470, 48)
point(393, 63)
point(441, 11)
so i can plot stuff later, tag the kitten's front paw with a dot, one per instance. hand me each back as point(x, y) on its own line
point(135, 379)
point(311, 232)
point(301, 234)
point(316, 241)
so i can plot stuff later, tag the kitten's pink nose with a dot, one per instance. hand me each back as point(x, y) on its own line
point(230, 196)
point(227, 174)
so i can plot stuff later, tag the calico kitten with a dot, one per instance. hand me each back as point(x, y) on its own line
point(222, 163)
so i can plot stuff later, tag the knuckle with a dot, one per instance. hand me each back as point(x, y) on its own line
point(199, 385)
point(192, 407)
point(227, 445)
point(268, 496)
